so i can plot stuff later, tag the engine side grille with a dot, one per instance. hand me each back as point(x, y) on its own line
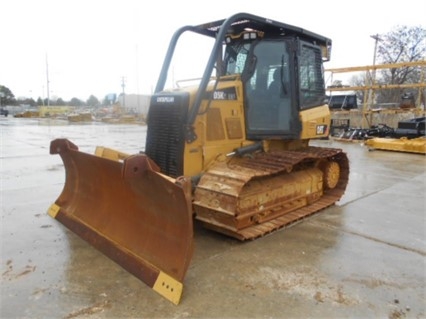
point(165, 139)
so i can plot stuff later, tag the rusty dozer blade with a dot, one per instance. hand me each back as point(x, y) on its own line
point(131, 212)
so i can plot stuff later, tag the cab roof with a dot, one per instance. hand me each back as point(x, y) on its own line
point(245, 21)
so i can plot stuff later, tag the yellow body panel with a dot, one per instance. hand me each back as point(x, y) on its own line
point(315, 122)
point(220, 129)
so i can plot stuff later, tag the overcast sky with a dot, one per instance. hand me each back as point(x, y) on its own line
point(90, 45)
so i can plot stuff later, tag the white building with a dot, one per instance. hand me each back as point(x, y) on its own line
point(137, 103)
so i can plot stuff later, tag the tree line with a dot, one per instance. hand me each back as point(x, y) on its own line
point(8, 98)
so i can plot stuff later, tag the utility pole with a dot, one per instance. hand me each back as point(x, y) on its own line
point(371, 92)
point(123, 85)
point(47, 82)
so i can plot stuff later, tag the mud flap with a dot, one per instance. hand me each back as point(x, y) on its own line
point(131, 212)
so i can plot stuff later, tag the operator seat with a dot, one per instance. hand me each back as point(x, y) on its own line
point(274, 88)
point(279, 102)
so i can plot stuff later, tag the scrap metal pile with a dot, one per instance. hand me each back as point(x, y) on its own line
point(409, 136)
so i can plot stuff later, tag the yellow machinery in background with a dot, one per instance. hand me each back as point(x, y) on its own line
point(403, 144)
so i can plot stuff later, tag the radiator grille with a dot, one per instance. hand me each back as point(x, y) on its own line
point(165, 135)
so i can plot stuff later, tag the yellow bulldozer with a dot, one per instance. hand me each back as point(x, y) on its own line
point(230, 151)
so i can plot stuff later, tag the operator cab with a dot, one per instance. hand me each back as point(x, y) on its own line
point(266, 65)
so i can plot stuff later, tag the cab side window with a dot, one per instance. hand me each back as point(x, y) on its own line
point(311, 85)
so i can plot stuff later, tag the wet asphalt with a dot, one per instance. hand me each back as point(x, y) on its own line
point(362, 258)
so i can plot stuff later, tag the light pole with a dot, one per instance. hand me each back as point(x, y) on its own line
point(377, 39)
point(371, 92)
point(369, 95)
point(373, 78)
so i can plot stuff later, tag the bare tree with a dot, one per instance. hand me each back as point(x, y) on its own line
point(402, 44)
point(358, 80)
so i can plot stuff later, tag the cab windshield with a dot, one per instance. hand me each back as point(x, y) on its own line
point(271, 99)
